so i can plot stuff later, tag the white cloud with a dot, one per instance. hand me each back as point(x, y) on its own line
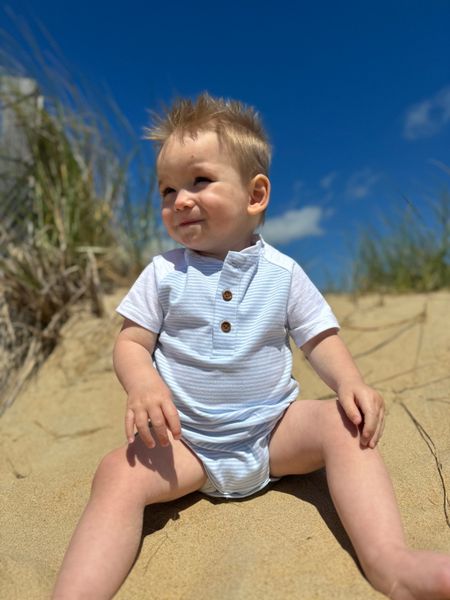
point(294, 225)
point(327, 181)
point(429, 117)
point(361, 183)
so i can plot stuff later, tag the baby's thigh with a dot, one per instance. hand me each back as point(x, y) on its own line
point(149, 475)
point(296, 444)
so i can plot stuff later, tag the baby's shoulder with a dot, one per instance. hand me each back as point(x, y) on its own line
point(172, 260)
point(278, 259)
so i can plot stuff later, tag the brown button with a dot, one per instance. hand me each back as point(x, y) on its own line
point(225, 326)
point(227, 295)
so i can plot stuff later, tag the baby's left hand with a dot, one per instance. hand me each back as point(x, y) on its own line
point(363, 406)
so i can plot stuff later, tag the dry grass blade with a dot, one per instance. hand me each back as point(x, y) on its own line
point(443, 399)
point(66, 183)
point(422, 385)
point(432, 447)
point(387, 340)
point(414, 369)
point(419, 318)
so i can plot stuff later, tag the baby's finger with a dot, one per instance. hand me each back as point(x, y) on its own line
point(173, 421)
point(129, 425)
point(143, 428)
point(378, 432)
point(351, 410)
point(376, 436)
point(159, 427)
point(370, 426)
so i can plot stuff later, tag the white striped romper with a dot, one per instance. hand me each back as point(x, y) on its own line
point(223, 350)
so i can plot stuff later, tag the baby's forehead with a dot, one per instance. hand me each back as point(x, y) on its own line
point(193, 149)
point(183, 142)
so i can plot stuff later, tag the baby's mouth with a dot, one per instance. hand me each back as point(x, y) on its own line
point(190, 222)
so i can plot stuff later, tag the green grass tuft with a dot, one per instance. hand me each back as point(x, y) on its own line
point(412, 256)
point(73, 219)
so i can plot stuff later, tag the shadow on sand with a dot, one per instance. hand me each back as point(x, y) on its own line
point(311, 488)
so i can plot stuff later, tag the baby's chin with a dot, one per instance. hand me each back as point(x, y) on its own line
point(206, 250)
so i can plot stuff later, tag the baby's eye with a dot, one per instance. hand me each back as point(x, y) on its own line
point(166, 191)
point(202, 180)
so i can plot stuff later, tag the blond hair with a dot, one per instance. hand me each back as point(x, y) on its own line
point(237, 125)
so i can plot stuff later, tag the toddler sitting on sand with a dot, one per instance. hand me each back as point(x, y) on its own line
point(204, 357)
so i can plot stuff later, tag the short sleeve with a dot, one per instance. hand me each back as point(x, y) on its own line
point(308, 312)
point(141, 304)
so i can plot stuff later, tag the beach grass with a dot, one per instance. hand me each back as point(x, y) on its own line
point(74, 220)
point(411, 254)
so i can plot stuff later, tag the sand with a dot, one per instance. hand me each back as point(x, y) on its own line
point(284, 543)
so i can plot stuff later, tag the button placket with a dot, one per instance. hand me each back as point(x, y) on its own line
point(225, 310)
point(225, 326)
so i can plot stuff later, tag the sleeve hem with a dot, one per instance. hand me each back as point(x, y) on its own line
point(137, 318)
point(302, 335)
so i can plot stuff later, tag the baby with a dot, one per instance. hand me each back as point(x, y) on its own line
point(204, 358)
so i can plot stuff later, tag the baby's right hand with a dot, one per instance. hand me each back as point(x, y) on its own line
point(155, 404)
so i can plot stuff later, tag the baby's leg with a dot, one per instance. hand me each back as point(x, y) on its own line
point(106, 540)
point(313, 434)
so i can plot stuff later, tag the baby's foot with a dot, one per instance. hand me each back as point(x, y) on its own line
point(416, 576)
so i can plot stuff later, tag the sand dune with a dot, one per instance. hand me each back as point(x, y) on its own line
point(284, 543)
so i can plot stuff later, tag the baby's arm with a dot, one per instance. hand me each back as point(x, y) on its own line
point(148, 395)
point(332, 361)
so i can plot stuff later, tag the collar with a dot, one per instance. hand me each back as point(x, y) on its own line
point(234, 258)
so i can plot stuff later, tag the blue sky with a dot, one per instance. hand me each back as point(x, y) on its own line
point(355, 96)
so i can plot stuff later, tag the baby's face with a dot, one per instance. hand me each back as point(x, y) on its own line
point(204, 200)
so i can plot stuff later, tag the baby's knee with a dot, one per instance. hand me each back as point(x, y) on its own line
point(333, 416)
point(121, 477)
point(111, 470)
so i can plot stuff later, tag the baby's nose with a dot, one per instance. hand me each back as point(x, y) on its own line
point(184, 200)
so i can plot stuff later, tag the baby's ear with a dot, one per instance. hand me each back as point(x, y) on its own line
point(259, 194)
